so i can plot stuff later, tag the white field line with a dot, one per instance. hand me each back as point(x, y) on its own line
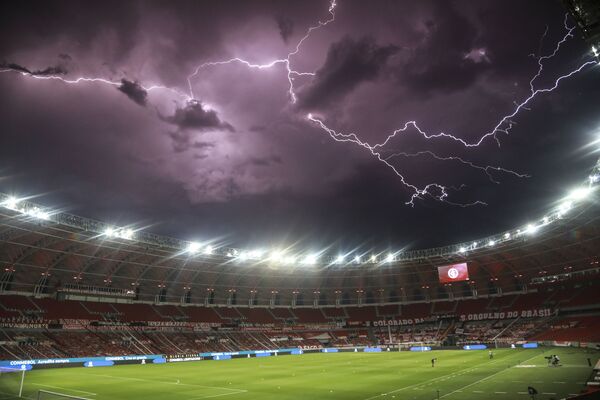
point(67, 389)
point(439, 378)
point(485, 378)
point(218, 395)
point(172, 383)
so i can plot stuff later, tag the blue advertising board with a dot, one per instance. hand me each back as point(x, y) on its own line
point(533, 345)
point(420, 348)
point(80, 360)
point(474, 347)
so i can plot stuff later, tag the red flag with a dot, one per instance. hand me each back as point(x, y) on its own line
point(453, 273)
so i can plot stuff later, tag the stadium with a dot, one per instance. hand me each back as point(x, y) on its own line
point(97, 306)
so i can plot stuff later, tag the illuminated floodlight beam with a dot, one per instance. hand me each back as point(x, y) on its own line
point(11, 203)
point(193, 247)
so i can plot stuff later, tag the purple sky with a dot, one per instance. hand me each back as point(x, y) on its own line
point(243, 163)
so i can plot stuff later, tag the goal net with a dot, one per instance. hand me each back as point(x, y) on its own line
point(48, 395)
point(11, 381)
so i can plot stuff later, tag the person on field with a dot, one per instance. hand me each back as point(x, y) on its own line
point(433, 360)
point(491, 354)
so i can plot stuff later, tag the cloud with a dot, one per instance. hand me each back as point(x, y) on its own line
point(349, 62)
point(449, 58)
point(286, 27)
point(183, 141)
point(134, 91)
point(195, 116)
point(53, 70)
point(265, 162)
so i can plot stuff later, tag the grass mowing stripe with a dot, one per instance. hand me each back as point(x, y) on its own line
point(443, 376)
point(170, 383)
point(488, 377)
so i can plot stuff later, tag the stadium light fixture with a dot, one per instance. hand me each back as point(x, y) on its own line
point(580, 193)
point(256, 254)
point(126, 234)
point(462, 249)
point(193, 247)
point(389, 258)
point(373, 258)
point(340, 259)
point(507, 236)
point(531, 229)
point(110, 232)
point(564, 208)
point(277, 256)
point(11, 203)
point(310, 259)
point(208, 250)
point(38, 213)
point(357, 259)
point(491, 243)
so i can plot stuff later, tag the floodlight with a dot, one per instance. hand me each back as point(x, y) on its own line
point(277, 256)
point(193, 247)
point(389, 258)
point(580, 193)
point(531, 229)
point(126, 234)
point(311, 259)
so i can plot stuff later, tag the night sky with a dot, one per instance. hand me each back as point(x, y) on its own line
point(242, 163)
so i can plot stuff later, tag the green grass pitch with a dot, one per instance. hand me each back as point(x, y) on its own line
point(458, 375)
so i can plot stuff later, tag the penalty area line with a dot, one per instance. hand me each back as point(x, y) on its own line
point(67, 389)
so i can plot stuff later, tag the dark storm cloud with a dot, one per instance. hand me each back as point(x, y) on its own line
point(445, 59)
point(286, 27)
point(183, 140)
point(195, 116)
point(134, 91)
point(349, 62)
point(266, 161)
point(53, 70)
point(314, 188)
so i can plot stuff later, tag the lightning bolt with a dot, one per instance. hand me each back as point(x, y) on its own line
point(486, 169)
point(102, 81)
point(291, 73)
point(436, 191)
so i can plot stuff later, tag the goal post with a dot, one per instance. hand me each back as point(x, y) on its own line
point(12, 380)
point(48, 395)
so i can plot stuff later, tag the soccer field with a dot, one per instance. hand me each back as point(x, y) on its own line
point(351, 376)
